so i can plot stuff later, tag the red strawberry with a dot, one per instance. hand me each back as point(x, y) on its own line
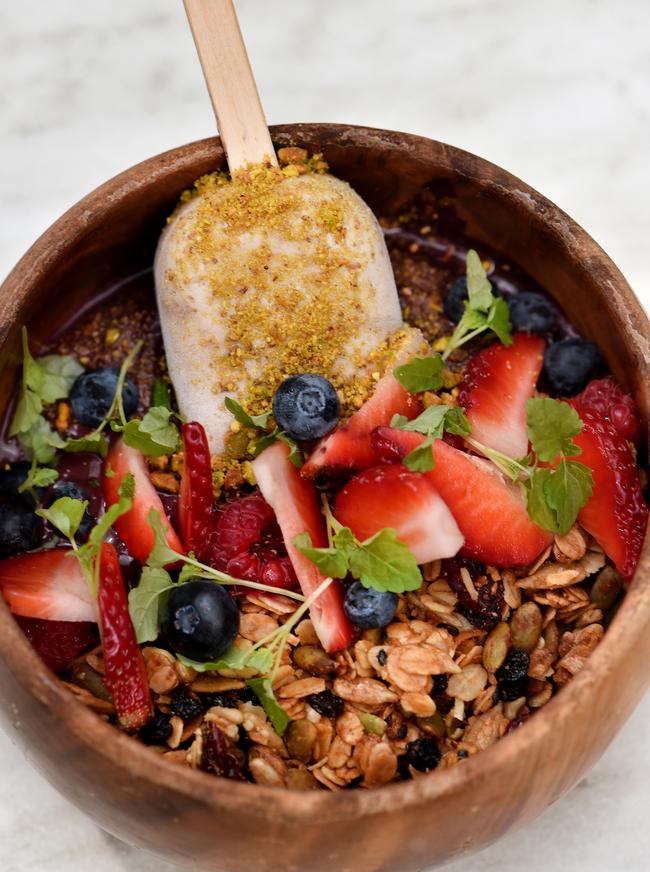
point(616, 514)
point(132, 528)
point(125, 674)
point(498, 381)
point(391, 495)
point(250, 543)
point(59, 642)
point(49, 585)
point(196, 505)
point(296, 508)
point(490, 512)
point(605, 399)
point(349, 447)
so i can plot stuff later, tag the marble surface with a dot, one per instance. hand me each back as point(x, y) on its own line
point(556, 92)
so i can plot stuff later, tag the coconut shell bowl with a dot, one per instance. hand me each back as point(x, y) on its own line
point(209, 823)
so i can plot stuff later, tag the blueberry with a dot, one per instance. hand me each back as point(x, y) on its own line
point(306, 406)
point(20, 529)
point(423, 754)
point(369, 608)
point(515, 666)
point(454, 303)
point(92, 393)
point(326, 703)
point(200, 620)
point(531, 313)
point(71, 489)
point(570, 364)
point(11, 478)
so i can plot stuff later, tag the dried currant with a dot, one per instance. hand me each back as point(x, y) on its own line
point(515, 666)
point(484, 612)
point(157, 731)
point(326, 703)
point(185, 704)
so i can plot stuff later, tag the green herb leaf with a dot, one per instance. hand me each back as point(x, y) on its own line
point(552, 424)
point(28, 411)
point(479, 290)
point(263, 690)
point(253, 422)
point(59, 374)
point(147, 601)
point(40, 442)
point(456, 422)
point(255, 661)
point(94, 443)
point(567, 491)
point(537, 505)
point(498, 321)
point(421, 459)
point(161, 554)
point(432, 423)
point(38, 476)
point(385, 563)
point(420, 374)
point(332, 562)
point(161, 394)
point(295, 455)
point(65, 514)
point(155, 434)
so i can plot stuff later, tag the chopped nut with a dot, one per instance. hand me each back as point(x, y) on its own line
point(165, 481)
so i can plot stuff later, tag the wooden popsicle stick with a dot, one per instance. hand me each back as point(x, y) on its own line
point(228, 75)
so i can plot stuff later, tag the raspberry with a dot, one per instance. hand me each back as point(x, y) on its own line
point(605, 399)
point(248, 544)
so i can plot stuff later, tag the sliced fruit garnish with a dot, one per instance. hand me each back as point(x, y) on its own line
point(616, 514)
point(349, 446)
point(296, 508)
point(498, 381)
point(59, 642)
point(49, 585)
point(133, 528)
point(196, 504)
point(390, 495)
point(125, 674)
point(490, 511)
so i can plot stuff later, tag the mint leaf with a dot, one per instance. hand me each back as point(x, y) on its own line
point(498, 321)
point(28, 411)
point(252, 661)
point(537, 505)
point(552, 424)
point(155, 434)
point(420, 374)
point(161, 554)
point(40, 442)
point(161, 394)
point(567, 491)
point(421, 459)
point(253, 422)
point(147, 601)
point(332, 562)
point(385, 563)
point(59, 372)
point(65, 514)
point(94, 443)
point(431, 422)
point(456, 422)
point(479, 290)
point(263, 690)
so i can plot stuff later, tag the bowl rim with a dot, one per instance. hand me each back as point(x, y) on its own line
point(256, 800)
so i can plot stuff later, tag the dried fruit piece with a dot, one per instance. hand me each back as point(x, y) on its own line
point(217, 754)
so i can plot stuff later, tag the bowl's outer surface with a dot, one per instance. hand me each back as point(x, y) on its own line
point(212, 824)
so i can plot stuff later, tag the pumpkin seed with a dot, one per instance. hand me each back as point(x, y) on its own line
point(313, 660)
point(526, 627)
point(300, 739)
point(606, 588)
point(496, 647)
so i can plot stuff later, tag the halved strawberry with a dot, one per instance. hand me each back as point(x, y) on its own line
point(349, 446)
point(498, 381)
point(58, 642)
point(616, 514)
point(390, 495)
point(49, 585)
point(196, 504)
point(125, 674)
point(132, 528)
point(490, 512)
point(296, 508)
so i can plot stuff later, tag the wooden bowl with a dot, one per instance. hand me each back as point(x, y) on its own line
point(208, 823)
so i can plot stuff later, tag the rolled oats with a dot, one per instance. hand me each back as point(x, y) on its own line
point(468, 683)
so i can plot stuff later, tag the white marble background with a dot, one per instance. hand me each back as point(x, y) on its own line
point(558, 92)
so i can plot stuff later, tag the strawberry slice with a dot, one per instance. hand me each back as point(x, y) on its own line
point(349, 446)
point(498, 381)
point(490, 512)
point(49, 585)
point(616, 514)
point(59, 642)
point(132, 528)
point(196, 505)
point(296, 508)
point(125, 674)
point(392, 496)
